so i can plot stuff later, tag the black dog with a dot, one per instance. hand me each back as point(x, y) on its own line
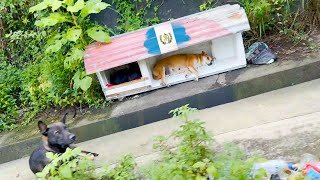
point(126, 74)
point(56, 138)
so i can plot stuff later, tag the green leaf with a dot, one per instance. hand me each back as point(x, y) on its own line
point(213, 171)
point(260, 173)
point(55, 4)
point(85, 83)
point(200, 177)
point(76, 151)
point(73, 58)
point(76, 75)
point(51, 20)
point(55, 178)
point(54, 48)
point(178, 177)
point(76, 7)
point(68, 2)
point(55, 43)
point(76, 80)
point(97, 33)
point(40, 175)
point(65, 171)
point(49, 155)
point(200, 165)
point(73, 34)
point(93, 6)
point(41, 6)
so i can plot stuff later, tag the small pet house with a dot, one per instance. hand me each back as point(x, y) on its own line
point(124, 66)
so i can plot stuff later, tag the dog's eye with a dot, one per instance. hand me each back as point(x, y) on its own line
point(56, 132)
point(208, 58)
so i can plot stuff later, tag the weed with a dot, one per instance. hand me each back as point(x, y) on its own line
point(133, 15)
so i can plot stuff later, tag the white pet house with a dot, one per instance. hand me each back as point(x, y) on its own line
point(218, 32)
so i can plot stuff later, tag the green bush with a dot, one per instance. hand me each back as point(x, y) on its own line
point(62, 77)
point(72, 165)
point(42, 54)
point(9, 86)
point(192, 159)
point(123, 170)
point(42, 46)
point(69, 165)
point(268, 16)
point(22, 42)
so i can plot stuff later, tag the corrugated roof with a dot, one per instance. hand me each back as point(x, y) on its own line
point(188, 31)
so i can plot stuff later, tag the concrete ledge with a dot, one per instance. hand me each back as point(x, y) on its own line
point(208, 92)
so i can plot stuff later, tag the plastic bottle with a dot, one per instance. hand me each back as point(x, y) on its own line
point(308, 158)
point(305, 159)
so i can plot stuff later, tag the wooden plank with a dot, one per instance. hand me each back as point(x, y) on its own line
point(125, 93)
point(127, 83)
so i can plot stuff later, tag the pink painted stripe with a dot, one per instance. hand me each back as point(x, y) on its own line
point(120, 38)
point(92, 68)
point(111, 54)
point(129, 47)
point(114, 53)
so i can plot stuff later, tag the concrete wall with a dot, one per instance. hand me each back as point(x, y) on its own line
point(168, 9)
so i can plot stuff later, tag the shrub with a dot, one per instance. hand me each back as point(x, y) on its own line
point(20, 44)
point(46, 60)
point(69, 165)
point(282, 16)
point(20, 41)
point(9, 85)
point(193, 158)
point(72, 165)
point(69, 32)
point(123, 170)
point(268, 15)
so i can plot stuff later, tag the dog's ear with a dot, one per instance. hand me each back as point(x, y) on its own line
point(63, 120)
point(42, 127)
point(203, 53)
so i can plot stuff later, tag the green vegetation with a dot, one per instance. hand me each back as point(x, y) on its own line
point(133, 15)
point(293, 18)
point(42, 45)
point(41, 57)
point(193, 158)
point(41, 53)
point(69, 165)
point(123, 170)
point(206, 5)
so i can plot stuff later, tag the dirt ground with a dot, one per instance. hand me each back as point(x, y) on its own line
point(285, 47)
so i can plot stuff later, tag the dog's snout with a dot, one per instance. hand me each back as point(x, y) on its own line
point(72, 137)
